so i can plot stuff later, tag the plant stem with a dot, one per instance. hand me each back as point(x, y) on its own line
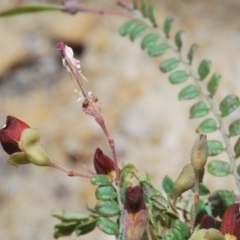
point(70, 173)
point(124, 4)
point(204, 92)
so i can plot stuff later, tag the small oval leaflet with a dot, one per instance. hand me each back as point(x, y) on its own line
point(199, 109)
point(107, 226)
point(167, 25)
point(149, 40)
point(228, 105)
point(178, 77)
point(106, 193)
point(107, 208)
point(214, 83)
point(191, 52)
point(169, 64)
point(237, 148)
point(214, 147)
point(219, 168)
point(204, 68)
point(234, 128)
point(208, 125)
point(178, 39)
point(167, 184)
point(127, 27)
point(188, 92)
point(157, 50)
point(137, 31)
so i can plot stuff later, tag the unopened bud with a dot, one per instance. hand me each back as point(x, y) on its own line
point(185, 181)
point(199, 153)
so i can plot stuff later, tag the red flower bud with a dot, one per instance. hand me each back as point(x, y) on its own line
point(207, 222)
point(102, 163)
point(134, 200)
point(10, 134)
point(231, 222)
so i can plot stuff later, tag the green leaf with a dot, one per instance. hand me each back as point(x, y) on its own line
point(100, 180)
point(127, 173)
point(204, 68)
point(127, 27)
point(228, 105)
point(178, 77)
point(107, 208)
point(220, 200)
point(234, 128)
point(144, 7)
point(107, 226)
point(203, 190)
point(178, 39)
point(149, 40)
point(214, 83)
point(214, 147)
point(167, 184)
point(188, 92)
point(137, 31)
point(181, 226)
point(167, 25)
point(151, 16)
point(106, 193)
point(69, 216)
point(207, 126)
point(85, 227)
point(237, 148)
point(191, 52)
point(148, 189)
point(31, 8)
point(64, 229)
point(219, 168)
point(160, 202)
point(157, 50)
point(18, 159)
point(169, 64)
point(238, 169)
point(199, 109)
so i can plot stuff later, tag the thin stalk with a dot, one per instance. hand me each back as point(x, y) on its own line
point(204, 92)
point(70, 173)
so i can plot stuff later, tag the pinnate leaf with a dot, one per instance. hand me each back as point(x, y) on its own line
point(214, 83)
point(107, 226)
point(169, 64)
point(207, 126)
point(234, 128)
point(188, 92)
point(178, 77)
point(237, 148)
point(31, 8)
point(199, 109)
point(191, 52)
point(204, 68)
point(151, 16)
point(219, 168)
point(157, 50)
point(149, 40)
point(214, 147)
point(137, 31)
point(228, 105)
point(167, 25)
point(127, 27)
point(178, 39)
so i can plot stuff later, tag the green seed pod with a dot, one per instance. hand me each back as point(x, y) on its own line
point(185, 181)
point(199, 153)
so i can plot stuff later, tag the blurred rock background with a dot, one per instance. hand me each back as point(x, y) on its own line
point(150, 126)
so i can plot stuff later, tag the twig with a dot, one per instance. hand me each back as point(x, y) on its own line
point(70, 173)
point(124, 4)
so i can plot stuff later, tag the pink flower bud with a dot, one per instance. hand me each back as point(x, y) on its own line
point(10, 134)
point(103, 164)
